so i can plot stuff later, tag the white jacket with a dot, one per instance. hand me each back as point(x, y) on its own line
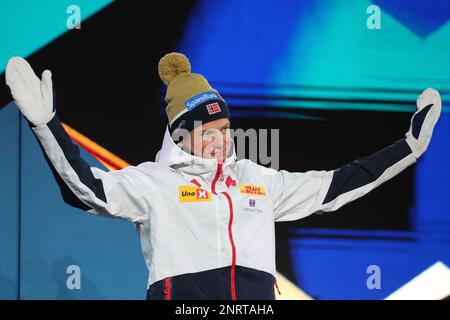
point(196, 216)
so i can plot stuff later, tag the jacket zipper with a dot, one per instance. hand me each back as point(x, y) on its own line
point(219, 173)
point(167, 288)
point(233, 248)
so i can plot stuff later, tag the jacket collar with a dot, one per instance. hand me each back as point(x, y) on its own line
point(173, 156)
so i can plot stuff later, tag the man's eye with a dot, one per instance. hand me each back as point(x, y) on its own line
point(209, 133)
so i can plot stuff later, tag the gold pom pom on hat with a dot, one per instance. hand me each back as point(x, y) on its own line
point(172, 65)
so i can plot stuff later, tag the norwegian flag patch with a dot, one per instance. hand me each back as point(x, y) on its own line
point(213, 108)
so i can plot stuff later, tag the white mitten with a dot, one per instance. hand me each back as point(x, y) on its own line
point(33, 96)
point(429, 107)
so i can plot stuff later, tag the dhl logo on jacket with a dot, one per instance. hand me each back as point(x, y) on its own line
point(252, 190)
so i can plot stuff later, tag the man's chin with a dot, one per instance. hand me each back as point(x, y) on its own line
point(218, 157)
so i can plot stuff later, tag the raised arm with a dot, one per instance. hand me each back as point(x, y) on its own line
point(114, 194)
point(301, 194)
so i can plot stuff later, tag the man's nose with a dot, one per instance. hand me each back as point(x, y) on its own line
point(217, 143)
point(217, 138)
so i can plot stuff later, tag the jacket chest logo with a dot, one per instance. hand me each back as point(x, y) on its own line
point(252, 207)
point(193, 194)
point(252, 190)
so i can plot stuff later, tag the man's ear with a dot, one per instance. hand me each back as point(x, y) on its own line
point(182, 146)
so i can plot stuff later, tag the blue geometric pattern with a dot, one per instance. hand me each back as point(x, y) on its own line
point(421, 17)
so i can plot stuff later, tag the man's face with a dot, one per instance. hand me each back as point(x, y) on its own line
point(211, 140)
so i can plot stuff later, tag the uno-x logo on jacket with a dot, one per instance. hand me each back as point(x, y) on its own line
point(252, 190)
point(193, 194)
